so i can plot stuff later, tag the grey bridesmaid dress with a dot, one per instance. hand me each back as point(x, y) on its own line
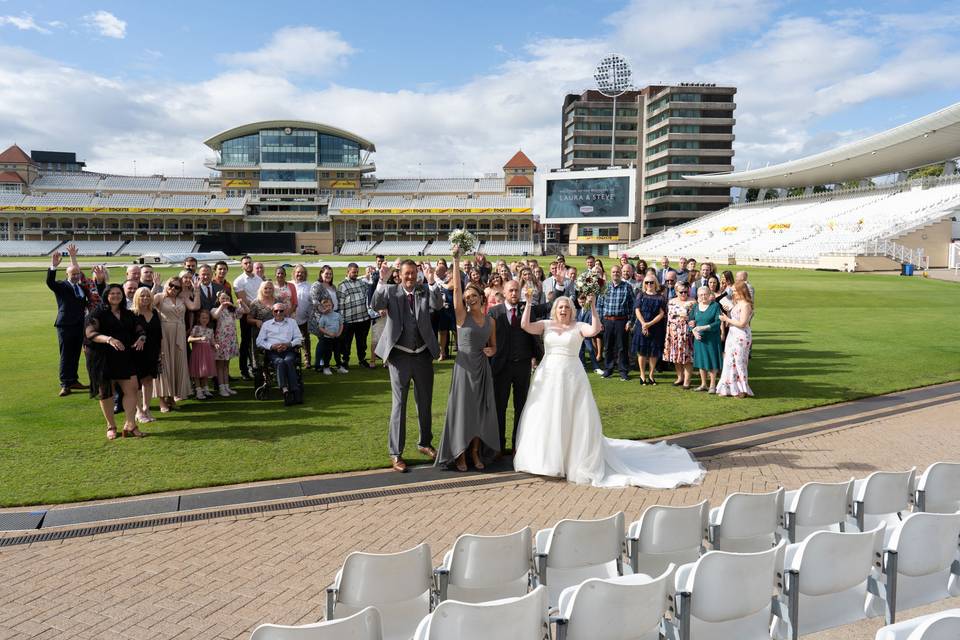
point(471, 409)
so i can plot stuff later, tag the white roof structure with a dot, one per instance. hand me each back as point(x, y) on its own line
point(932, 138)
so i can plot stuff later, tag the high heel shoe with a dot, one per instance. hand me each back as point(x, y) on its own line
point(477, 464)
point(111, 433)
point(461, 463)
point(133, 433)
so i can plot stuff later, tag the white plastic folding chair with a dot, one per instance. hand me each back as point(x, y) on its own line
point(936, 626)
point(363, 625)
point(883, 495)
point(399, 585)
point(725, 596)
point(825, 582)
point(623, 608)
point(484, 568)
point(746, 522)
point(816, 506)
point(919, 564)
point(938, 490)
point(665, 535)
point(575, 550)
point(513, 618)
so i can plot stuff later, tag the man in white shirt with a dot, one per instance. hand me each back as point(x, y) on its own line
point(304, 309)
point(278, 337)
point(246, 286)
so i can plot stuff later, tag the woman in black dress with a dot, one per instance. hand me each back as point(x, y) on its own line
point(112, 334)
point(146, 361)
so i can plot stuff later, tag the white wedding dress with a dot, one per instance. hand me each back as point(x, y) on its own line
point(560, 433)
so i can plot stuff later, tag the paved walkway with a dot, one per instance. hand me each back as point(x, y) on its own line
point(220, 578)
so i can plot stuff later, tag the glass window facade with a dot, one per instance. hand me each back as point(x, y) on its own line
point(287, 175)
point(298, 146)
point(243, 150)
point(338, 151)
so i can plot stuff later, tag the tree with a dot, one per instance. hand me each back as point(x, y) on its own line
point(929, 171)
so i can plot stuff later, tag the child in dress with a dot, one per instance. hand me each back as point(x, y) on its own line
point(330, 326)
point(225, 339)
point(202, 363)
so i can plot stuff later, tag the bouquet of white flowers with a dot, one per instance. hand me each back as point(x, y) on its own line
point(589, 284)
point(463, 239)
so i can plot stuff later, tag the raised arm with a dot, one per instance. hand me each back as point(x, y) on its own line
point(458, 308)
point(533, 328)
point(381, 299)
point(595, 326)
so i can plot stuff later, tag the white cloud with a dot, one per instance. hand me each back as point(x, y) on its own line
point(106, 24)
point(23, 22)
point(299, 50)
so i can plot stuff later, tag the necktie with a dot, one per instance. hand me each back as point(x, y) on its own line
point(76, 289)
point(513, 319)
point(410, 301)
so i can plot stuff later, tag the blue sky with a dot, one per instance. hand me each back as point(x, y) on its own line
point(440, 85)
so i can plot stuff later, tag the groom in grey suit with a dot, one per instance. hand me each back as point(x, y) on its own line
point(408, 346)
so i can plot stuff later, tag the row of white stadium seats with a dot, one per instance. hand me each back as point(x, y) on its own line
point(436, 248)
point(430, 202)
point(807, 227)
point(825, 578)
point(141, 247)
point(94, 182)
point(27, 247)
point(437, 185)
point(137, 201)
point(96, 247)
point(401, 247)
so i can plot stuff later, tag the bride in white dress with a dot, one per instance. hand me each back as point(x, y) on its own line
point(560, 433)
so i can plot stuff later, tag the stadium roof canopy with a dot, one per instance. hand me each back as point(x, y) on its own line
point(253, 127)
point(932, 138)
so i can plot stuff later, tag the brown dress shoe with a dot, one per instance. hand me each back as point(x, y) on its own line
point(399, 464)
point(430, 452)
point(79, 386)
point(64, 391)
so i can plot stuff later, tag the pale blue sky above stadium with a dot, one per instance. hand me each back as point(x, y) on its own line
point(445, 88)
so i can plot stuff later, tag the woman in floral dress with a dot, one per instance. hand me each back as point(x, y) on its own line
point(736, 353)
point(679, 344)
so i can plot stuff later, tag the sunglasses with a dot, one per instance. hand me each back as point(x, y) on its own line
point(649, 282)
point(174, 287)
point(278, 310)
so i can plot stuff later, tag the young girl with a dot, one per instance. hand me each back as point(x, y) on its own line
point(202, 364)
point(225, 338)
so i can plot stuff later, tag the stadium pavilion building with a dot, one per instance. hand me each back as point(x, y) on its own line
point(280, 185)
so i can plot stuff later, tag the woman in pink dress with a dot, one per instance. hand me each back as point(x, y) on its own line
point(286, 292)
point(736, 352)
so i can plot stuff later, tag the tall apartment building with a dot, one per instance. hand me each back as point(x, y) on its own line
point(665, 132)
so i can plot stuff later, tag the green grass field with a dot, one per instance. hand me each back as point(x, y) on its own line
point(819, 338)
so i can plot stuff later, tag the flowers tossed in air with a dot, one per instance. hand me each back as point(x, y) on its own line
point(589, 284)
point(463, 239)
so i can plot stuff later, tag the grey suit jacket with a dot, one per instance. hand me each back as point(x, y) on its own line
point(393, 298)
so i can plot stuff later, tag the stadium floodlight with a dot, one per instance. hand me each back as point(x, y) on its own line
point(614, 77)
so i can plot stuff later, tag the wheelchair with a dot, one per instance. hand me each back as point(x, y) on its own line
point(265, 374)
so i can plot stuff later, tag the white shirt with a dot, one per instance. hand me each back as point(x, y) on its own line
point(273, 332)
point(249, 285)
point(304, 305)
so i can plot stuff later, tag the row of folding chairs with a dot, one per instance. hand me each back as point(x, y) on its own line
point(588, 557)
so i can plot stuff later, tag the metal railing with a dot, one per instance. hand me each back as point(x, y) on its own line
point(896, 252)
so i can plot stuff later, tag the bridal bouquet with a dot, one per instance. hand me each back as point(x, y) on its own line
point(463, 239)
point(589, 284)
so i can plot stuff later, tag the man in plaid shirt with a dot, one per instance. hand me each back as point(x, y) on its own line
point(352, 297)
point(615, 308)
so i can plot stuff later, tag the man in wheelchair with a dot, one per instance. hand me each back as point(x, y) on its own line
point(279, 339)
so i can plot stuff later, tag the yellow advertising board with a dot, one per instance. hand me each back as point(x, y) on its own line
point(728, 229)
point(690, 232)
point(343, 184)
point(37, 209)
point(598, 238)
point(428, 211)
point(237, 184)
point(779, 225)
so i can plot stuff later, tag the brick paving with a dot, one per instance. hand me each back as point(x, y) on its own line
point(221, 578)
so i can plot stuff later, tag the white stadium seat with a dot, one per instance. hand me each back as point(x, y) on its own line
point(936, 626)
point(816, 506)
point(825, 582)
point(399, 585)
point(363, 625)
point(746, 522)
point(163, 247)
point(356, 248)
point(725, 596)
point(96, 247)
point(574, 550)
point(623, 608)
point(28, 247)
point(483, 568)
point(920, 564)
point(522, 618)
point(938, 490)
point(401, 247)
point(883, 495)
point(665, 535)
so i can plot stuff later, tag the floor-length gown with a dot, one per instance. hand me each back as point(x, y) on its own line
point(471, 408)
point(174, 378)
point(736, 357)
point(560, 432)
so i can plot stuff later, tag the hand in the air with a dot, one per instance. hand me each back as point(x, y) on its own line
point(72, 250)
point(55, 259)
point(428, 272)
point(385, 271)
point(455, 250)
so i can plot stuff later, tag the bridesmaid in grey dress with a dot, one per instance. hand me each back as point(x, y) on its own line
point(471, 410)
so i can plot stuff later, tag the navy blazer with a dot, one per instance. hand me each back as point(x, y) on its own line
point(504, 338)
point(71, 310)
